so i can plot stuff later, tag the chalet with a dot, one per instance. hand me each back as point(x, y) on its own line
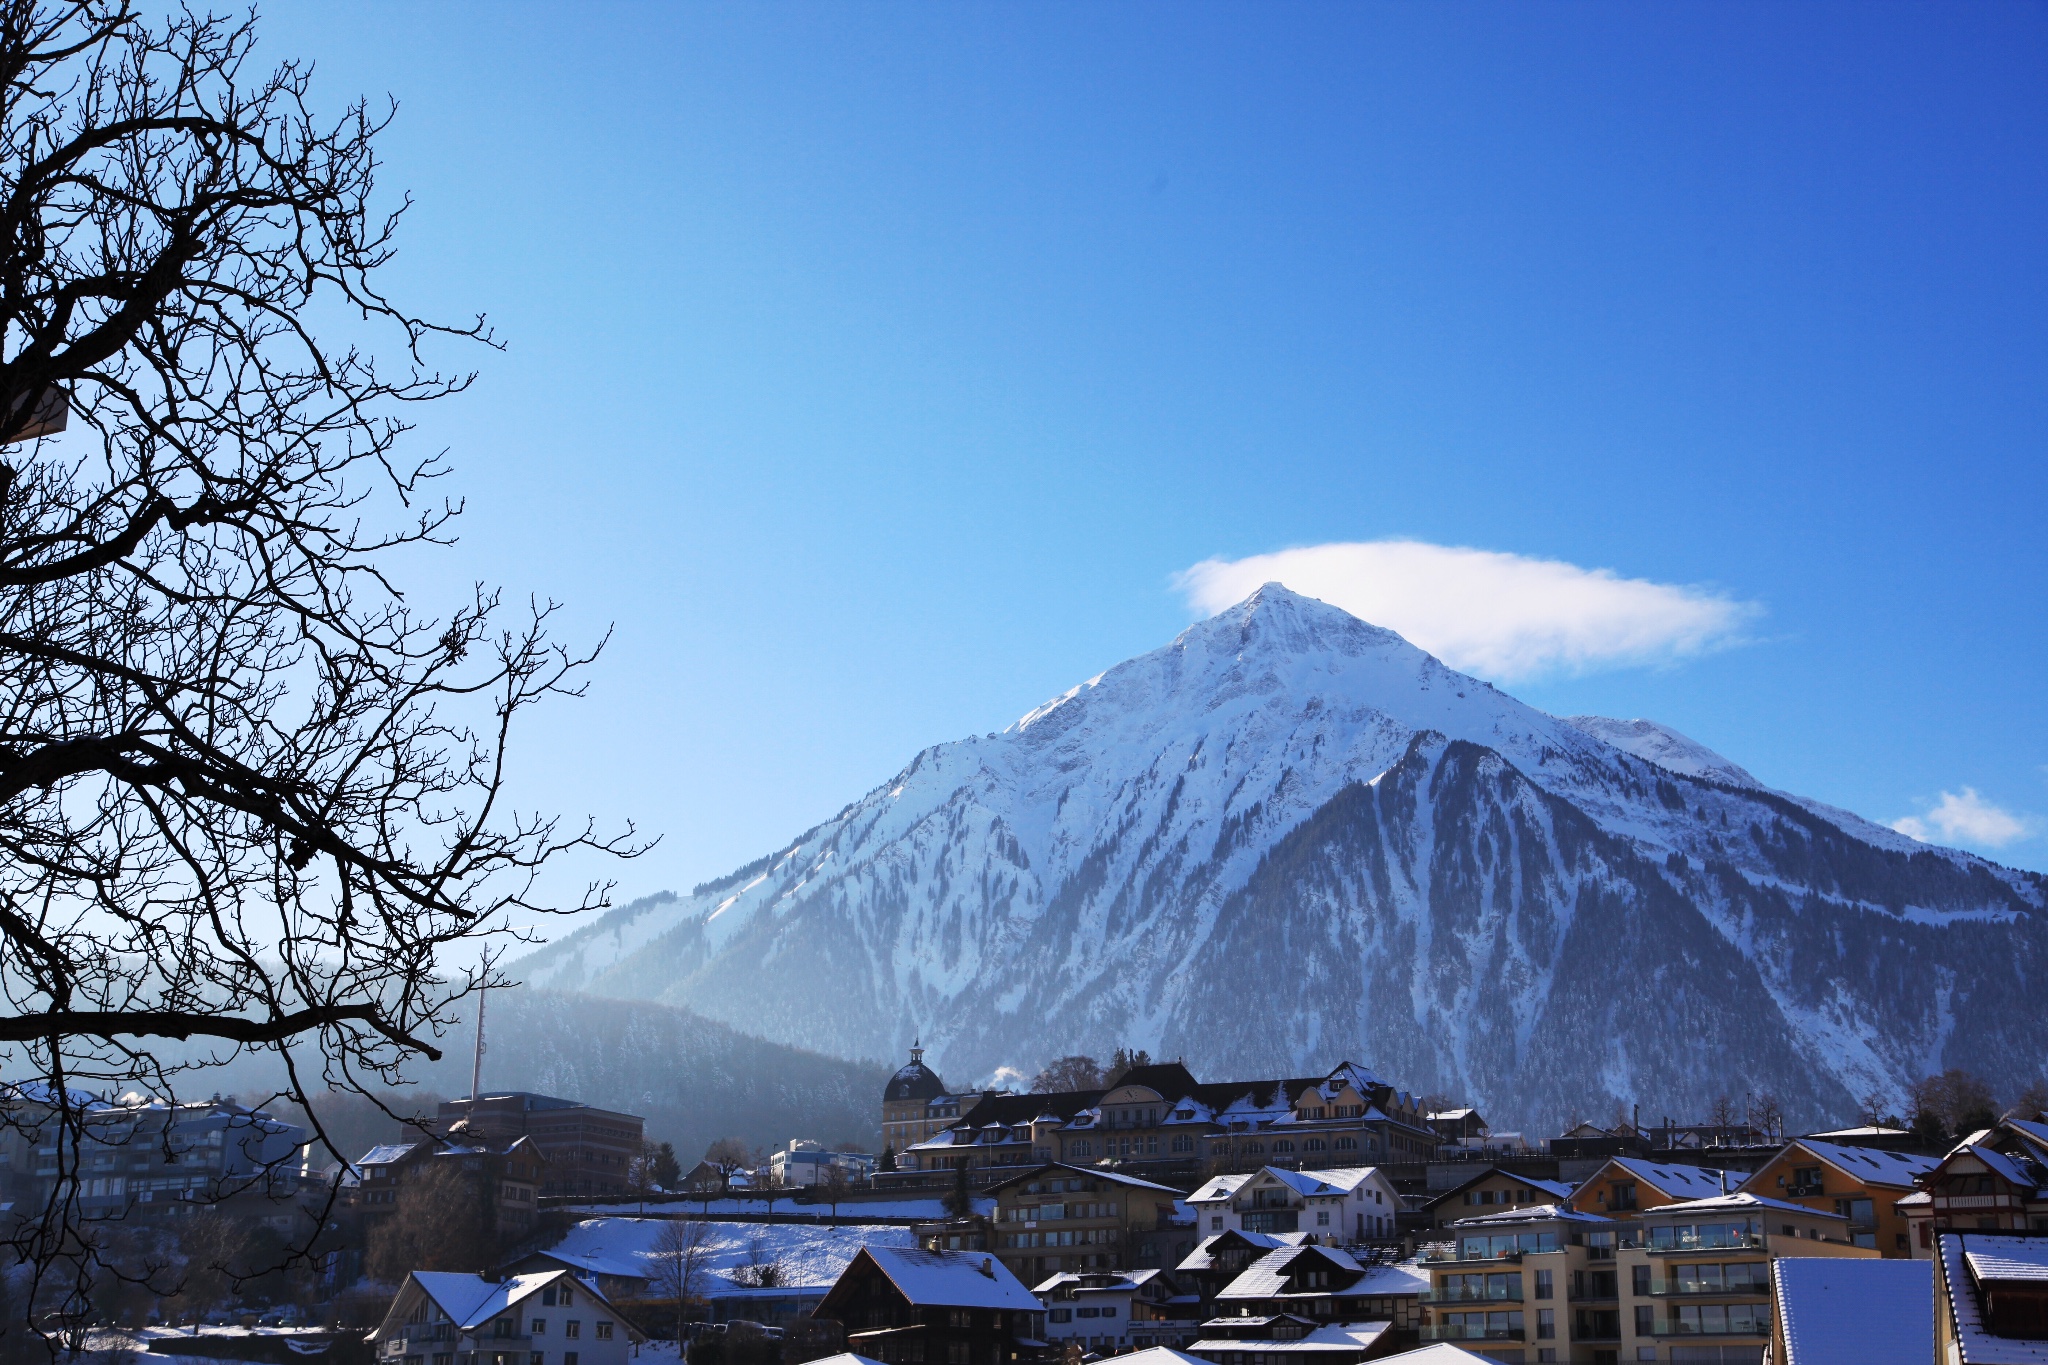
point(1217, 1260)
point(1863, 1184)
point(906, 1306)
point(1492, 1188)
point(1626, 1186)
point(1991, 1298)
point(443, 1318)
point(1346, 1206)
point(1056, 1218)
point(1325, 1285)
point(1116, 1311)
point(1995, 1181)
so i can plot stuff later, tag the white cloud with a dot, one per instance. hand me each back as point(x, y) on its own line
point(1501, 616)
point(1965, 817)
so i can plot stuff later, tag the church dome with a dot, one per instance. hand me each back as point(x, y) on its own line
point(915, 1081)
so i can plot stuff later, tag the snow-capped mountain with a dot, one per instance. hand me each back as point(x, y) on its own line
point(1290, 838)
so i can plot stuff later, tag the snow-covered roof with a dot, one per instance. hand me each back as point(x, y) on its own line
point(1871, 1164)
point(1534, 1213)
point(1338, 1180)
point(1557, 1189)
point(471, 1300)
point(2016, 1169)
point(1201, 1258)
point(1838, 1311)
point(1404, 1277)
point(952, 1279)
point(1734, 1203)
point(1442, 1353)
point(1266, 1278)
point(385, 1152)
point(1153, 1355)
point(1090, 1172)
point(1217, 1188)
point(1117, 1283)
point(1960, 1251)
point(1351, 1336)
point(847, 1358)
point(1851, 1135)
point(1677, 1180)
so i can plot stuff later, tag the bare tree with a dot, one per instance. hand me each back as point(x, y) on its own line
point(2032, 1104)
point(834, 1185)
point(1067, 1073)
point(441, 1222)
point(680, 1252)
point(1722, 1115)
point(728, 1156)
point(1767, 1115)
point(251, 796)
point(1951, 1104)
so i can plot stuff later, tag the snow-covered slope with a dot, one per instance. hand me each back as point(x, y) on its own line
point(1290, 837)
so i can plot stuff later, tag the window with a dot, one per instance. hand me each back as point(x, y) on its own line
point(568, 1297)
point(1546, 1324)
point(957, 1353)
point(1646, 1320)
point(1322, 1218)
point(568, 1358)
point(1060, 1315)
point(547, 1296)
point(538, 1327)
point(1109, 1311)
point(1639, 1281)
point(1543, 1284)
point(505, 1327)
point(536, 1358)
point(1314, 1145)
point(572, 1329)
point(1345, 1144)
point(604, 1331)
point(1283, 1145)
point(1216, 1222)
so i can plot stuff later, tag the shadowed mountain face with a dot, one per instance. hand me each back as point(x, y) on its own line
point(1290, 838)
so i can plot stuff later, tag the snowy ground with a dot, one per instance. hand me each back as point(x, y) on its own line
point(926, 1210)
point(809, 1254)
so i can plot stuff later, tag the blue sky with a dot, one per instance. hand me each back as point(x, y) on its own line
point(877, 370)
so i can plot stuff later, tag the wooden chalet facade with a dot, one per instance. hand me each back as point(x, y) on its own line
point(1863, 1184)
point(908, 1306)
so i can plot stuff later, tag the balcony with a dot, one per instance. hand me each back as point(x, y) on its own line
point(1449, 1332)
point(1509, 1293)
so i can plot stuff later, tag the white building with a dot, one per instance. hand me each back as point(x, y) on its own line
point(1340, 1207)
point(1107, 1310)
point(552, 1318)
point(805, 1162)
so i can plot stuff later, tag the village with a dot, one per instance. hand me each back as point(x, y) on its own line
point(1332, 1219)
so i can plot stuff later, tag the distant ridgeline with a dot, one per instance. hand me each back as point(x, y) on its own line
point(1290, 837)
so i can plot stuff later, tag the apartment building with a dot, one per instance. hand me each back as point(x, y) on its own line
point(1863, 1184)
point(1059, 1218)
point(589, 1151)
point(1491, 1190)
point(1159, 1120)
point(1684, 1283)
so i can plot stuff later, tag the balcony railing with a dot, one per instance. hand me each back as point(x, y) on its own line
point(1803, 1189)
point(1679, 1329)
point(1734, 1241)
point(1460, 1332)
point(1507, 1293)
point(1697, 1289)
point(1442, 1253)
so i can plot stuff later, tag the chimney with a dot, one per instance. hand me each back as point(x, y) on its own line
point(988, 1267)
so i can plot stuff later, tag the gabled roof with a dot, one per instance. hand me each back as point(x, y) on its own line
point(1675, 1180)
point(1557, 1189)
point(1091, 1172)
point(1871, 1165)
point(1345, 1337)
point(1335, 1180)
point(471, 1300)
point(1838, 1311)
point(949, 1279)
point(1442, 1353)
point(1203, 1256)
point(1266, 1278)
point(386, 1152)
